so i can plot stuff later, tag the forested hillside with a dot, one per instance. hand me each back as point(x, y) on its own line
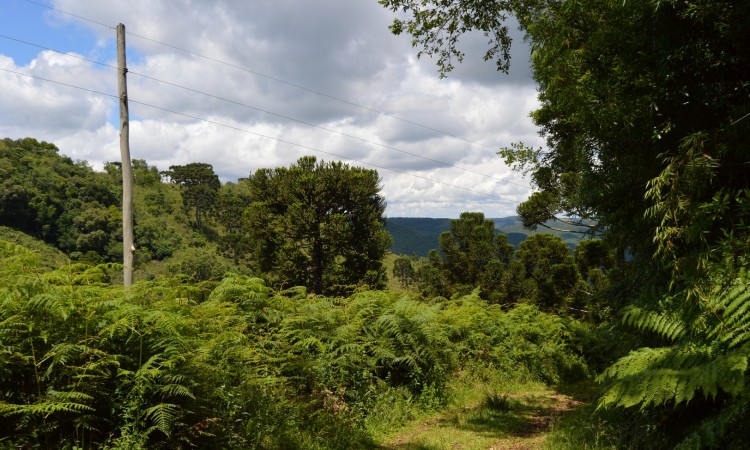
point(416, 236)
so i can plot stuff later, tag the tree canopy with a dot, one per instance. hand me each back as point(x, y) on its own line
point(199, 186)
point(644, 107)
point(318, 224)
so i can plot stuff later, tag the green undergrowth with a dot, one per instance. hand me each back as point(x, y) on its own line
point(172, 363)
point(47, 256)
point(598, 429)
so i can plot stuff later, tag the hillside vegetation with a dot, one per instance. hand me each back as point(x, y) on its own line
point(416, 236)
point(171, 364)
point(260, 316)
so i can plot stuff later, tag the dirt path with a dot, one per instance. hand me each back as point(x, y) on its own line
point(520, 420)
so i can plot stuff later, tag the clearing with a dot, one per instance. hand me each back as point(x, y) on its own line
point(513, 417)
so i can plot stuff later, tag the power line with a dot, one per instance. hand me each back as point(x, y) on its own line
point(93, 91)
point(270, 77)
point(266, 111)
point(70, 14)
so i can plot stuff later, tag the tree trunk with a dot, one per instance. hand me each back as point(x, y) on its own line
point(317, 263)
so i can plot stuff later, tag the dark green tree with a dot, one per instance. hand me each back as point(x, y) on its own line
point(232, 201)
point(403, 270)
point(143, 174)
point(471, 245)
point(472, 253)
point(548, 261)
point(199, 186)
point(318, 224)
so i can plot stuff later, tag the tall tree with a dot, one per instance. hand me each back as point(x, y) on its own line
point(471, 245)
point(472, 254)
point(645, 108)
point(318, 224)
point(232, 201)
point(199, 186)
point(547, 260)
point(403, 270)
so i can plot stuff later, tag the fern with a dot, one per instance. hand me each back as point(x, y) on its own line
point(43, 409)
point(711, 361)
point(664, 324)
point(163, 416)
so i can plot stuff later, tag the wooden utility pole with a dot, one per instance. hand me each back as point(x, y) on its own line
point(127, 170)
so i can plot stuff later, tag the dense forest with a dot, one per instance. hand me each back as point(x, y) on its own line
point(261, 315)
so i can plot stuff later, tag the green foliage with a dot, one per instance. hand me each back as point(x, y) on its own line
point(199, 264)
point(438, 29)
point(49, 257)
point(199, 186)
point(403, 270)
point(81, 358)
point(51, 197)
point(471, 251)
point(471, 245)
point(706, 362)
point(74, 208)
point(318, 224)
point(547, 261)
point(233, 199)
point(84, 363)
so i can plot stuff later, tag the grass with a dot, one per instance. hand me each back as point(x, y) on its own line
point(488, 413)
point(587, 428)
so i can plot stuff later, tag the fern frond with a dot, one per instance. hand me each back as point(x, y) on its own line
point(647, 358)
point(175, 390)
point(649, 377)
point(42, 408)
point(664, 324)
point(62, 354)
point(735, 303)
point(733, 309)
point(163, 416)
point(70, 396)
point(49, 303)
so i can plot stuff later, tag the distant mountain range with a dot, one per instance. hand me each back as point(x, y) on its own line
point(418, 235)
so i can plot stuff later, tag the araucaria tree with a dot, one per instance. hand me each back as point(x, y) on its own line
point(199, 186)
point(319, 225)
point(472, 254)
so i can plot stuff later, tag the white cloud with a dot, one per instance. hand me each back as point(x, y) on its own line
point(342, 49)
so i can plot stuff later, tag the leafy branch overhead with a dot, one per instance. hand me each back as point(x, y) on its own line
point(438, 28)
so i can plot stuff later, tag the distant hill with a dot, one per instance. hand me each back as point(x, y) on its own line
point(418, 235)
point(415, 235)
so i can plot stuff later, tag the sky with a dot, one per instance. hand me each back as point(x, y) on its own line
point(246, 85)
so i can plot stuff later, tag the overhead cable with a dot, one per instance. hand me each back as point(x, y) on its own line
point(270, 77)
point(265, 111)
point(244, 130)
